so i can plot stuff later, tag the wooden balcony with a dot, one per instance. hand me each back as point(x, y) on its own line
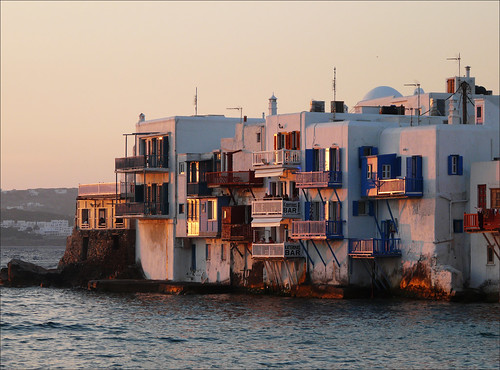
point(396, 188)
point(233, 178)
point(276, 250)
point(490, 221)
point(370, 248)
point(141, 163)
point(275, 207)
point(205, 228)
point(319, 179)
point(241, 232)
point(317, 230)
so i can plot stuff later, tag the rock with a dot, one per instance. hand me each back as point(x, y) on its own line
point(21, 273)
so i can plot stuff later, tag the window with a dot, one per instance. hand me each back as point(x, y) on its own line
point(211, 210)
point(369, 172)
point(362, 208)
point(222, 254)
point(85, 217)
point(181, 208)
point(386, 171)
point(258, 137)
point(194, 172)
point(495, 198)
point(490, 256)
point(182, 168)
point(455, 164)
point(207, 251)
point(458, 226)
point(479, 113)
point(102, 217)
point(193, 257)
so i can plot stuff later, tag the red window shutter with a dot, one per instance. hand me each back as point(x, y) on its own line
point(275, 141)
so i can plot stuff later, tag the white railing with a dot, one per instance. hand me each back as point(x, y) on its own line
point(276, 250)
point(275, 207)
point(276, 157)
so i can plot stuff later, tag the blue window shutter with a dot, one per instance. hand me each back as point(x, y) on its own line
point(307, 211)
point(418, 170)
point(165, 152)
point(355, 207)
point(309, 160)
point(164, 199)
point(361, 151)
point(409, 167)
point(338, 159)
point(374, 150)
point(450, 164)
point(460, 169)
point(398, 167)
point(371, 208)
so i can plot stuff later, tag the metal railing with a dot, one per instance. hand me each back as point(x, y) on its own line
point(275, 207)
point(276, 250)
point(318, 179)
point(276, 157)
point(375, 247)
point(141, 162)
point(234, 178)
point(141, 209)
point(317, 229)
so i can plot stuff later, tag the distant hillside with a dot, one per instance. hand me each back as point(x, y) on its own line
point(60, 201)
point(21, 215)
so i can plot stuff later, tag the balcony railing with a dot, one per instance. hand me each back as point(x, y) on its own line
point(275, 208)
point(406, 186)
point(233, 178)
point(141, 162)
point(232, 232)
point(317, 229)
point(375, 247)
point(141, 209)
point(319, 179)
point(276, 158)
point(104, 189)
point(490, 221)
point(276, 250)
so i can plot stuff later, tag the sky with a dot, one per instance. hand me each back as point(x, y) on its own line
point(76, 75)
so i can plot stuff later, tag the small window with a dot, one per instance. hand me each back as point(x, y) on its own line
point(369, 171)
point(181, 208)
point(211, 215)
point(490, 256)
point(386, 171)
point(455, 164)
point(495, 198)
point(102, 217)
point(258, 137)
point(207, 251)
point(458, 226)
point(85, 216)
point(479, 112)
point(362, 208)
point(182, 168)
point(222, 254)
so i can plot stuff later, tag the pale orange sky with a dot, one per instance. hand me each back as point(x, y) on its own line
point(76, 75)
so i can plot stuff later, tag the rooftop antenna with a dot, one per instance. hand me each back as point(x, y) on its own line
point(196, 102)
point(458, 59)
point(418, 100)
point(334, 91)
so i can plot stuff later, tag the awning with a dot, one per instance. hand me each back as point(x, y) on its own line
point(266, 222)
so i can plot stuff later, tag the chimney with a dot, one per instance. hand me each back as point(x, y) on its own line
point(142, 117)
point(467, 71)
point(273, 106)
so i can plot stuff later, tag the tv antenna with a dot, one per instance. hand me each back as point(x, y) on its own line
point(418, 100)
point(457, 59)
point(334, 87)
point(241, 111)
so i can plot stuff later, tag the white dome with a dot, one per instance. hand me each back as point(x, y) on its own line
point(381, 92)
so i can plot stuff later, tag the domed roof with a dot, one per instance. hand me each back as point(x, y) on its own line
point(418, 90)
point(381, 92)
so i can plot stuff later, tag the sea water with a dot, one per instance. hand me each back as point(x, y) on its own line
point(75, 328)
